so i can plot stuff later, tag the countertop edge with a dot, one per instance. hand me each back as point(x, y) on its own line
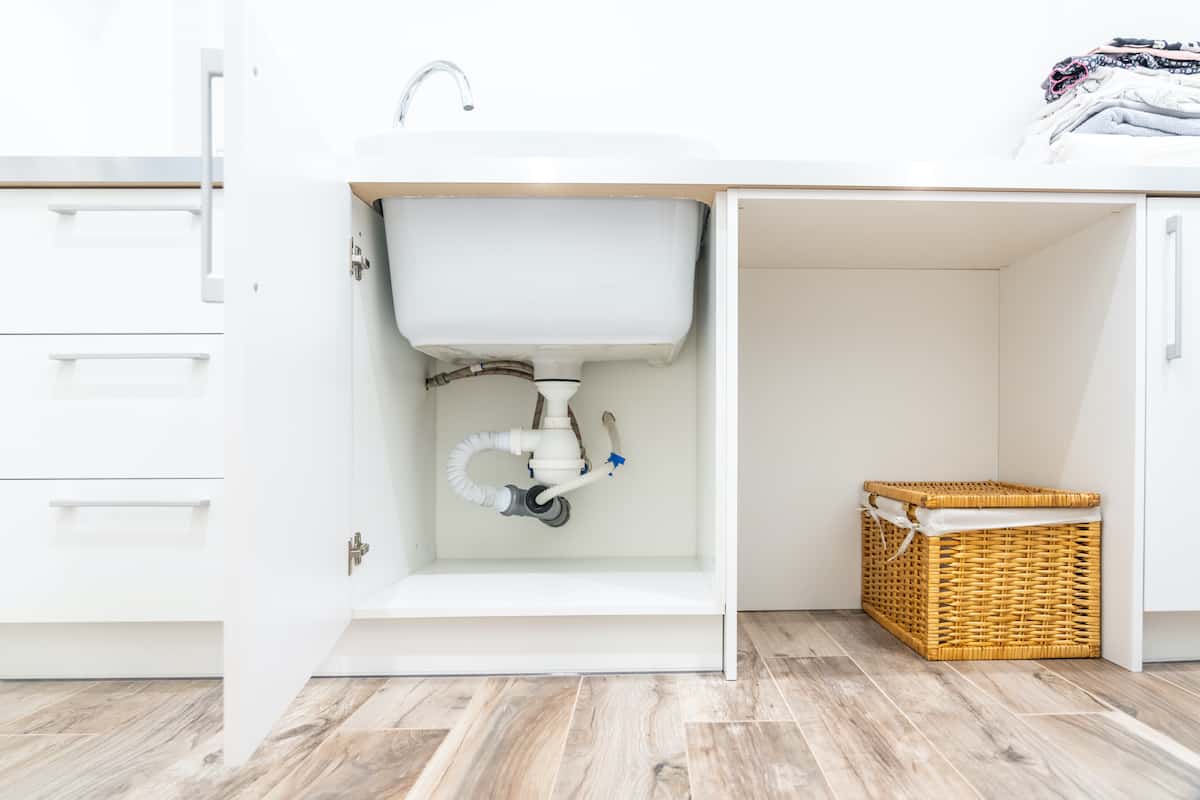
point(64, 171)
point(374, 178)
point(700, 178)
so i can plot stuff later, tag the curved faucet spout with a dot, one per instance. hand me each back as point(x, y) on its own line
point(410, 88)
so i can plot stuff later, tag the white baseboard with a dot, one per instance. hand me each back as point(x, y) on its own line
point(513, 645)
point(111, 650)
point(504, 645)
point(1171, 636)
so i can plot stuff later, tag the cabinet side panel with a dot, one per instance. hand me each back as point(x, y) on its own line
point(1070, 413)
point(726, 279)
point(706, 388)
point(394, 458)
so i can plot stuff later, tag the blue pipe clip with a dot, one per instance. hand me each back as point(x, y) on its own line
point(616, 460)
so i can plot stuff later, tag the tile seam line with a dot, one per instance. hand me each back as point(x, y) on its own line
point(1062, 713)
point(687, 753)
point(998, 702)
point(562, 751)
point(1047, 742)
point(766, 662)
point(783, 699)
point(328, 735)
point(901, 711)
point(1166, 679)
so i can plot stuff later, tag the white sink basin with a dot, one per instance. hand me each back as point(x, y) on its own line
point(405, 145)
point(563, 279)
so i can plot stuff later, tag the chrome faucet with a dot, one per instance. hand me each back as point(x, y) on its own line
point(410, 88)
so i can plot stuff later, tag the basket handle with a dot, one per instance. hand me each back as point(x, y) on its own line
point(913, 525)
point(872, 511)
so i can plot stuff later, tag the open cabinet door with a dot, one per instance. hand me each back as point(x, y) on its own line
point(289, 402)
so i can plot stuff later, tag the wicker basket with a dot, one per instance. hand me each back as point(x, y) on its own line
point(1005, 593)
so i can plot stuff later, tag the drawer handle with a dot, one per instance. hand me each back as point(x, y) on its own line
point(141, 356)
point(212, 65)
point(202, 502)
point(71, 209)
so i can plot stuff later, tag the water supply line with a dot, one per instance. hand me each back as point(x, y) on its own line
point(514, 369)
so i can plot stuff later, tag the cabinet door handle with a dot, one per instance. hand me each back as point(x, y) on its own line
point(128, 356)
point(212, 65)
point(1175, 231)
point(201, 502)
point(71, 209)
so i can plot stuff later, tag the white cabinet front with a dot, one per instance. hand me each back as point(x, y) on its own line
point(112, 407)
point(106, 261)
point(110, 551)
point(1172, 404)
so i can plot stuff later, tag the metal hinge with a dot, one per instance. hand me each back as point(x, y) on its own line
point(358, 261)
point(356, 548)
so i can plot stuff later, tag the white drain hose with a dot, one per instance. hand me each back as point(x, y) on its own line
point(497, 497)
point(614, 460)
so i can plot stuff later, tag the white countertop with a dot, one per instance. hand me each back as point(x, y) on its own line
point(162, 171)
point(701, 178)
point(698, 178)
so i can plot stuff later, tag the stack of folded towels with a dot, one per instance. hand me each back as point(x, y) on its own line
point(1130, 101)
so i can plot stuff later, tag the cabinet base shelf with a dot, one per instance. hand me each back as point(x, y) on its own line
point(548, 587)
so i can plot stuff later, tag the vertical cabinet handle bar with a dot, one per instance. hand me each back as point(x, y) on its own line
point(1175, 230)
point(212, 65)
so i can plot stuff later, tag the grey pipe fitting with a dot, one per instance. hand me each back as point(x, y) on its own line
point(555, 513)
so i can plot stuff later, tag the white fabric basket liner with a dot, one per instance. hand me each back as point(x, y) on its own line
point(941, 521)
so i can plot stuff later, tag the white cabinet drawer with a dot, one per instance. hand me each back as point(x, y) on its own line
point(112, 406)
point(105, 261)
point(110, 551)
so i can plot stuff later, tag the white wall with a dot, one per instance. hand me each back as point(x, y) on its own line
point(848, 375)
point(104, 77)
point(759, 78)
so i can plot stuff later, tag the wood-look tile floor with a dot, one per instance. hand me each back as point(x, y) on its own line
point(828, 705)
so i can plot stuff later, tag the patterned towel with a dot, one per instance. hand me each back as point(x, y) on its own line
point(1155, 44)
point(1069, 72)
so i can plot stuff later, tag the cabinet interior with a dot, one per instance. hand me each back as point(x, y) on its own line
point(931, 336)
point(640, 543)
point(879, 335)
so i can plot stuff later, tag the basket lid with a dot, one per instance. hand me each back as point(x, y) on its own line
point(980, 494)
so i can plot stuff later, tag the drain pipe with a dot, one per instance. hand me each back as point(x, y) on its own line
point(511, 501)
point(497, 497)
point(614, 460)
